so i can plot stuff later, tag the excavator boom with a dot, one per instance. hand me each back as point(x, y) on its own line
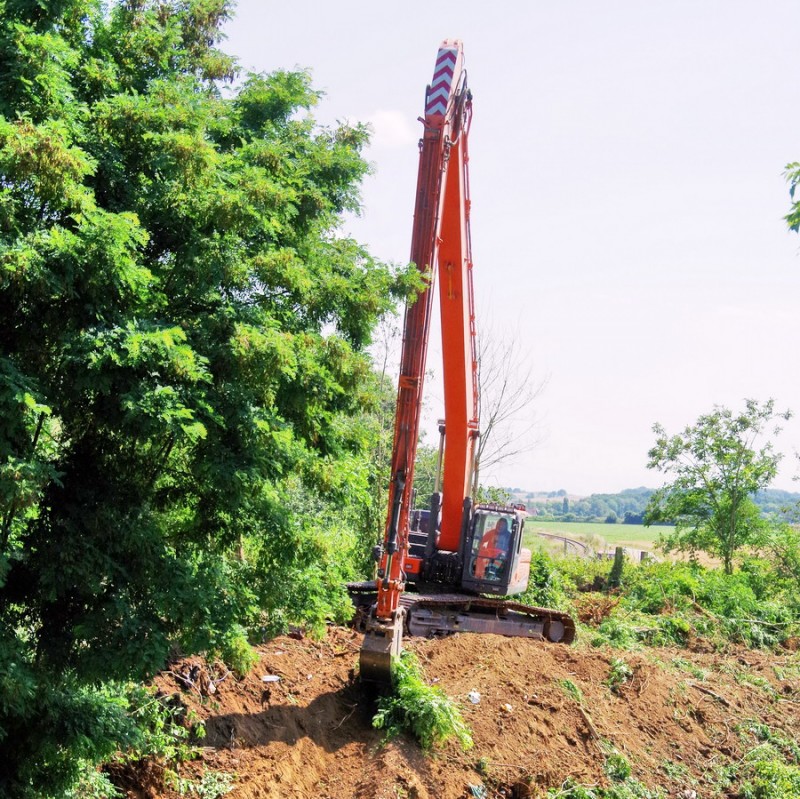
point(454, 551)
point(438, 232)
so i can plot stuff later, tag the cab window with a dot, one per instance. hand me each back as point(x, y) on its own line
point(491, 545)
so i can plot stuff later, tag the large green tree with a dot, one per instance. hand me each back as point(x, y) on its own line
point(716, 467)
point(182, 367)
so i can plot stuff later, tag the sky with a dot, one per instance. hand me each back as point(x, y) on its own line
point(626, 173)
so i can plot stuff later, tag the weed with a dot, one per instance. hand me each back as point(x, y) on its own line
point(617, 632)
point(482, 766)
point(789, 748)
point(161, 727)
point(744, 677)
point(768, 776)
point(789, 671)
point(545, 584)
point(687, 666)
point(619, 673)
point(236, 652)
point(92, 784)
point(677, 772)
point(617, 767)
point(627, 789)
point(211, 785)
point(571, 690)
point(421, 709)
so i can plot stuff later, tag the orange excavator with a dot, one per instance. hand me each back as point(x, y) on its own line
point(436, 566)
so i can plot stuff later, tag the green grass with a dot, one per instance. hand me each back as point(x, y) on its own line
point(612, 535)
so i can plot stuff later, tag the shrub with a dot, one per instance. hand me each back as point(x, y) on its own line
point(617, 767)
point(236, 652)
point(618, 674)
point(769, 776)
point(423, 710)
point(545, 584)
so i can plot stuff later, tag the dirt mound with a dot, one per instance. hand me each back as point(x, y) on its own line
point(545, 713)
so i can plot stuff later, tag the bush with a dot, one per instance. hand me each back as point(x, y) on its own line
point(423, 710)
point(236, 652)
point(618, 633)
point(545, 584)
point(769, 776)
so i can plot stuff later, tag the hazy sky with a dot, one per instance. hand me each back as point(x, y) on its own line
point(627, 198)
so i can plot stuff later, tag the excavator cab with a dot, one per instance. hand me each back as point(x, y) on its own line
point(494, 561)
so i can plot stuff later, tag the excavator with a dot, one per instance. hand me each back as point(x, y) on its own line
point(452, 566)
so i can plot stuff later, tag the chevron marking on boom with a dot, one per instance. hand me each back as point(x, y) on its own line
point(442, 83)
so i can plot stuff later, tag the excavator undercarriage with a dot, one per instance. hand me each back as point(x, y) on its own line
point(435, 615)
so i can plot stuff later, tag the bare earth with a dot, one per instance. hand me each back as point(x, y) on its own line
point(310, 734)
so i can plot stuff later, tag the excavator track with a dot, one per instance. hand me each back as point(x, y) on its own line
point(438, 615)
point(434, 615)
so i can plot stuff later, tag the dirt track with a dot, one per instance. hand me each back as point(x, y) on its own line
point(309, 735)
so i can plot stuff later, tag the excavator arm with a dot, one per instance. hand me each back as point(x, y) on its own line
point(440, 247)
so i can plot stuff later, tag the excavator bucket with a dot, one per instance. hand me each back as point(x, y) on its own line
point(382, 645)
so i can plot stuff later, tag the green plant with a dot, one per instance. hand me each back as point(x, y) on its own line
point(421, 709)
point(619, 632)
point(617, 767)
point(92, 784)
point(618, 674)
point(675, 771)
point(571, 690)
point(690, 668)
point(211, 785)
point(160, 728)
point(627, 789)
point(545, 583)
point(482, 766)
point(788, 747)
point(188, 411)
point(671, 631)
point(236, 651)
point(715, 470)
point(767, 775)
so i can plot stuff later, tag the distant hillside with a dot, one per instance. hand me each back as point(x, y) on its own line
point(627, 506)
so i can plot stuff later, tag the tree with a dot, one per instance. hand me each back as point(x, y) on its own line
point(508, 391)
point(716, 470)
point(182, 363)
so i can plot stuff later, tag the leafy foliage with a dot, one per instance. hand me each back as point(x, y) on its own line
point(421, 709)
point(619, 672)
point(716, 469)
point(671, 604)
point(629, 788)
point(187, 409)
point(792, 175)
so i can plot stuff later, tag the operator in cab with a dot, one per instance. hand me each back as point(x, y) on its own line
point(493, 549)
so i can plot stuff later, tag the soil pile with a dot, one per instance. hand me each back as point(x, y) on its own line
point(544, 713)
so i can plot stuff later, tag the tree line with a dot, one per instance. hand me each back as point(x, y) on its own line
point(629, 505)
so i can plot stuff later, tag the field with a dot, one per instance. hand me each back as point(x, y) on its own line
point(597, 535)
